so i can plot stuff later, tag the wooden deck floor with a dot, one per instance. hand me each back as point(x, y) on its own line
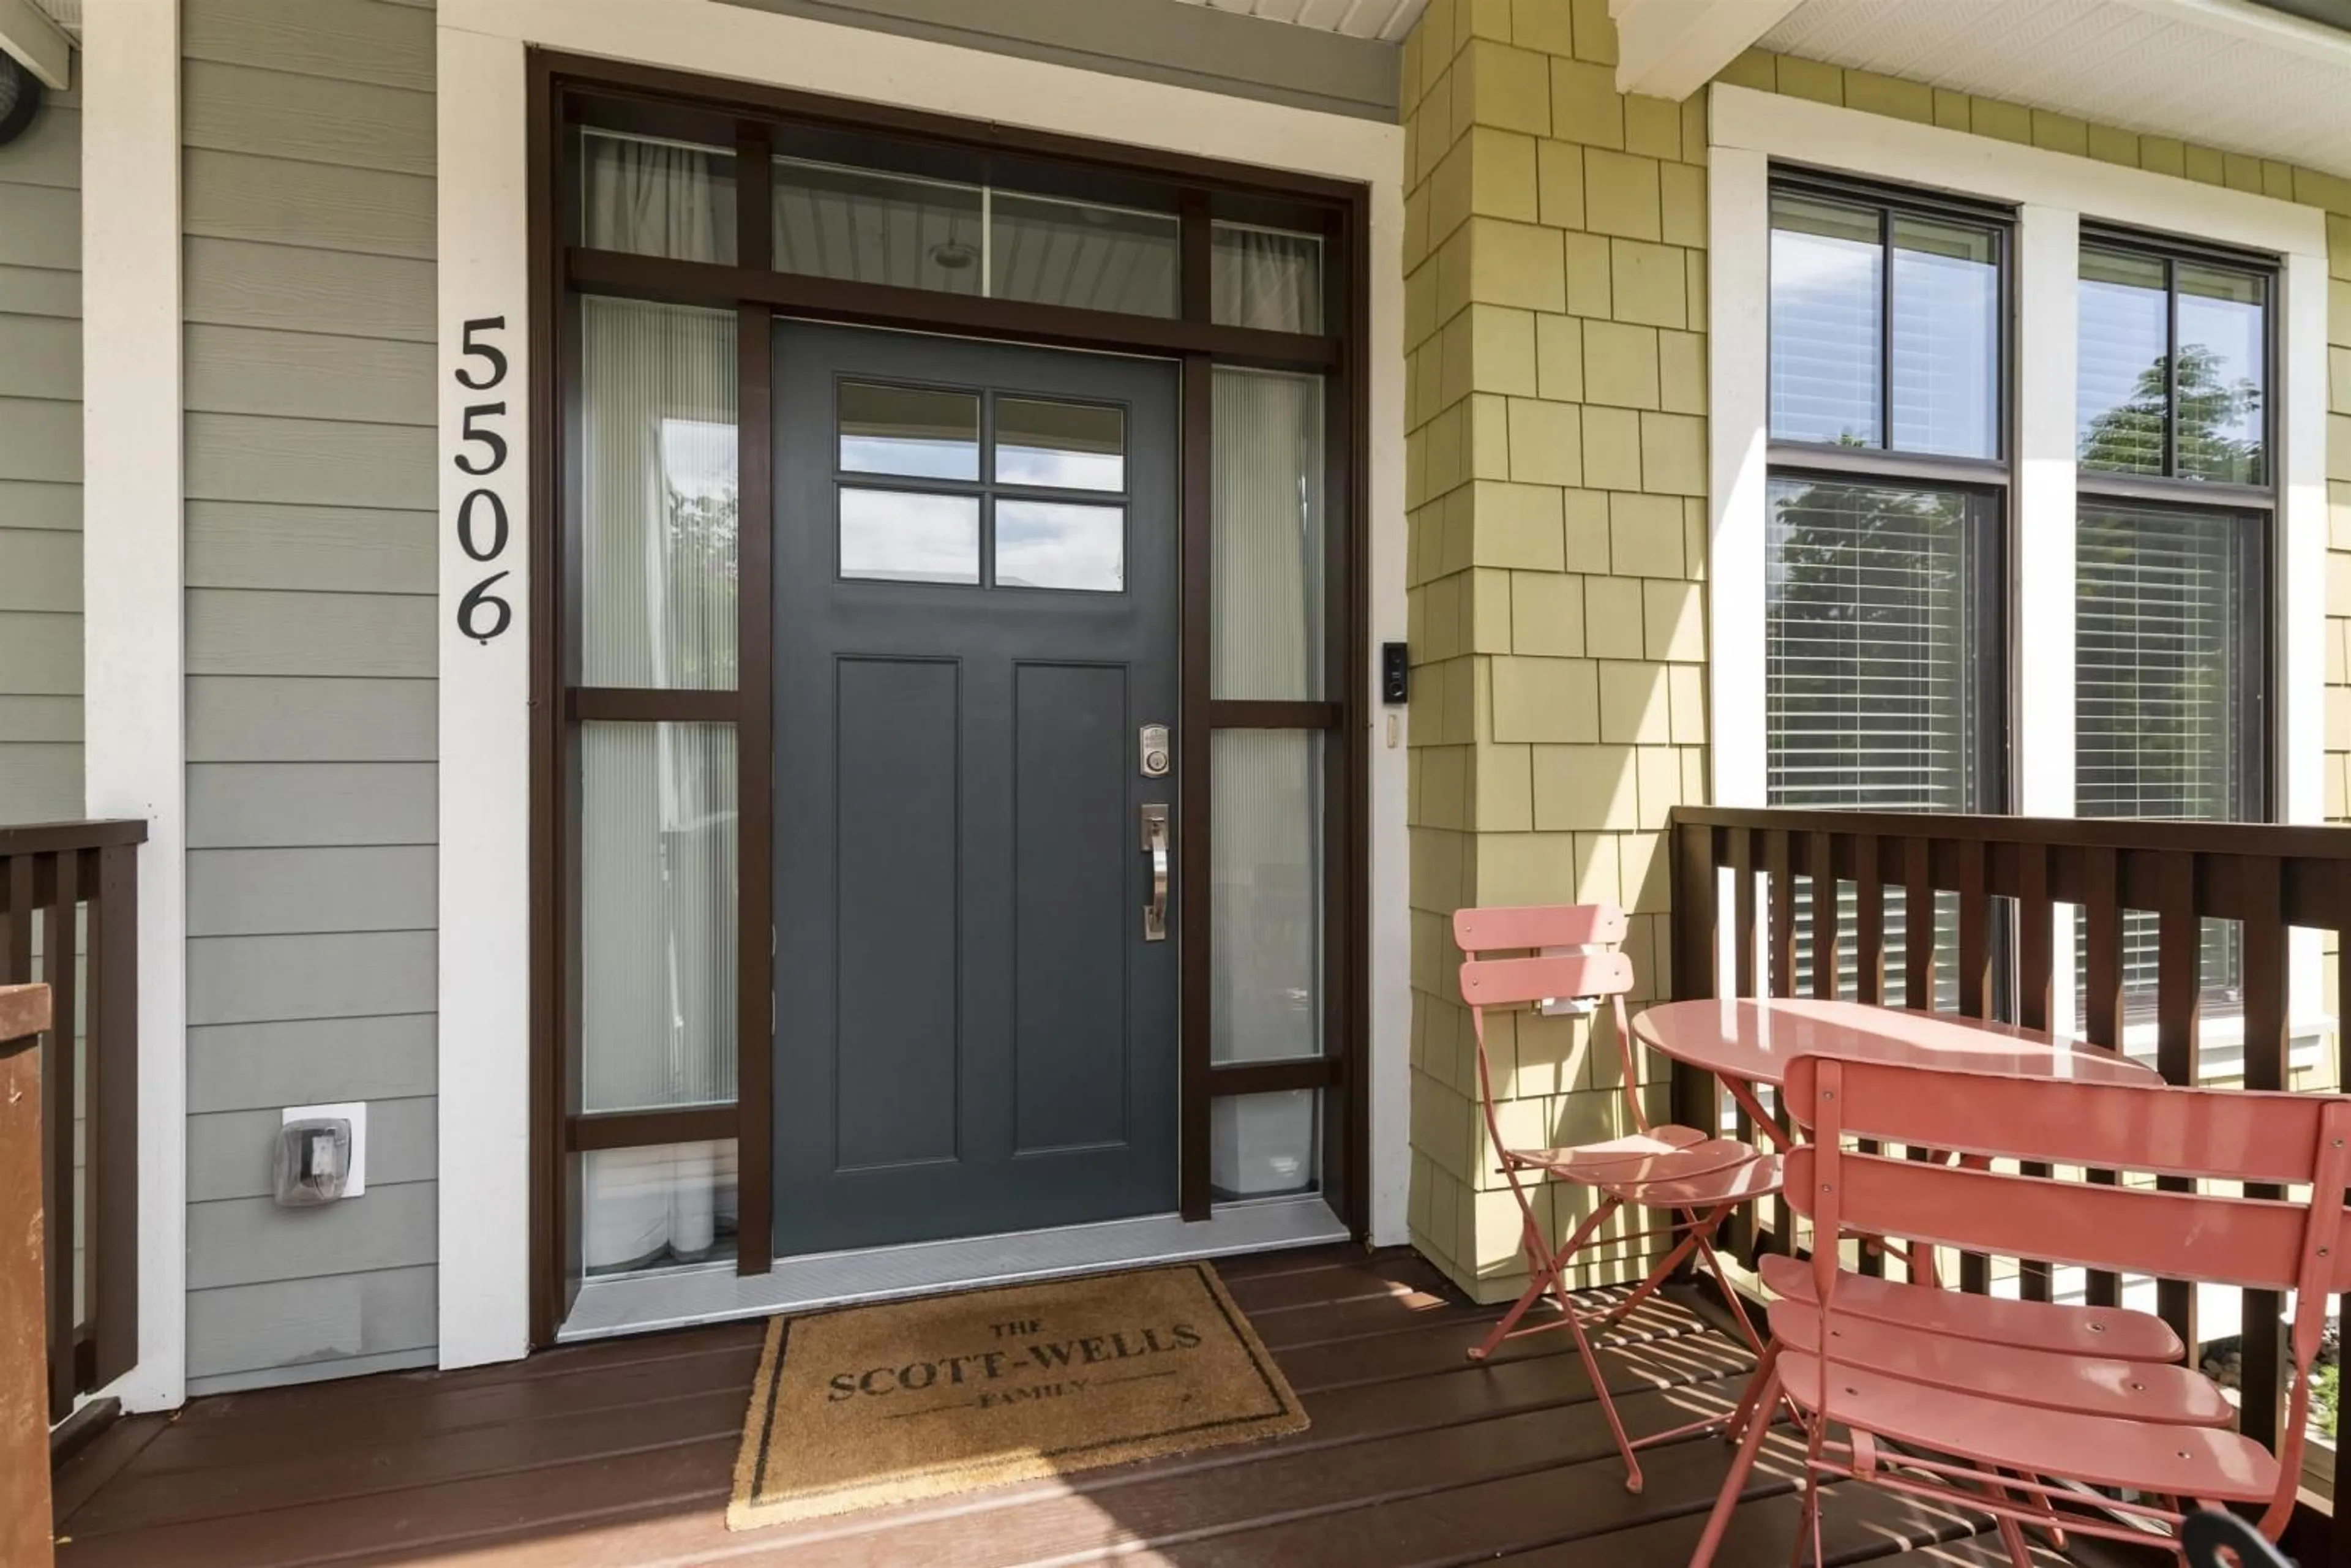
point(618, 1456)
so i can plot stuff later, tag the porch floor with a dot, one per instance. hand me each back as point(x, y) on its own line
point(618, 1454)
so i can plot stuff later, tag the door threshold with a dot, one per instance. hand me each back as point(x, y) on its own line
point(685, 1297)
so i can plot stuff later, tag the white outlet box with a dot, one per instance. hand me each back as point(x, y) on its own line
point(355, 1113)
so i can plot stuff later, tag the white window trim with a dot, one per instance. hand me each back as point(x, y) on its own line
point(484, 691)
point(2053, 192)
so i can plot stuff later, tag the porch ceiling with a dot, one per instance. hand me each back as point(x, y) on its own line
point(1384, 20)
point(2223, 73)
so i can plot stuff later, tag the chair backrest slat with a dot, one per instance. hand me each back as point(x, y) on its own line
point(2126, 1230)
point(2243, 1135)
point(1539, 926)
point(1512, 982)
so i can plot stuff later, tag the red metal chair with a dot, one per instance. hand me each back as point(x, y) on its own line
point(1934, 1407)
point(1693, 1174)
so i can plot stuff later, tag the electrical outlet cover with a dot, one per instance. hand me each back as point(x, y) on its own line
point(355, 1113)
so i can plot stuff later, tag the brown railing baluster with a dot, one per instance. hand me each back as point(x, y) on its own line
point(17, 946)
point(1917, 923)
point(110, 1166)
point(1975, 933)
point(2035, 958)
point(1826, 947)
point(1697, 1097)
point(1868, 923)
point(2103, 995)
point(58, 1116)
point(1742, 901)
point(2261, 892)
point(1782, 936)
point(2179, 985)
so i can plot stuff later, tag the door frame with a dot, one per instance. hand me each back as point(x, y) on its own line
point(566, 91)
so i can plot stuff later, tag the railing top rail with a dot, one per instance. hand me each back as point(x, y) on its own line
point(23, 1012)
point(2281, 839)
point(47, 837)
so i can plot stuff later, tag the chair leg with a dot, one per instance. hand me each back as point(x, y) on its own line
point(1735, 1482)
point(1808, 1525)
point(1747, 1405)
point(1527, 1299)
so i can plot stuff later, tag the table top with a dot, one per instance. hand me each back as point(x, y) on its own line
point(1754, 1041)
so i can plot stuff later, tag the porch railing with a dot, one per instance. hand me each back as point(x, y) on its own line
point(2010, 879)
point(70, 919)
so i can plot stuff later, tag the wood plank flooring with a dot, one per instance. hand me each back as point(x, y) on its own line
point(618, 1456)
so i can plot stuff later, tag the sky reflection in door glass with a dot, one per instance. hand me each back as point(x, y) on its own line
point(896, 536)
point(1057, 544)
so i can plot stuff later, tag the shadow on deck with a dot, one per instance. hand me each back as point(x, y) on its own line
point(618, 1455)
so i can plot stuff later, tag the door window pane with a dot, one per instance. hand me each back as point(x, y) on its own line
point(1265, 894)
point(657, 1208)
point(1050, 252)
point(2121, 379)
point(2168, 672)
point(912, 431)
point(649, 197)
point(657, 915)
point(1263, 1146)
point(1267, 278)
point(1875, 674)
point(905, 536)
point(2224, 361)
point(657, 495)
point(1827, 308)
point(1060, 544)
point(1946, 339)
point(1267, 537)
point(872, 227)
point(1065, 446)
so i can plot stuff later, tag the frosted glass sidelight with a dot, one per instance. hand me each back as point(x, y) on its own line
point(1270, 279)
point(658, 496)
point(650, 197)
point(1265, 894)
point(657, 915)
point(657, 1208)
point(1264, 1146)
point(1267, 539)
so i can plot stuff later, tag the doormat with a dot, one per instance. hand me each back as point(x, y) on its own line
point(905, 1400)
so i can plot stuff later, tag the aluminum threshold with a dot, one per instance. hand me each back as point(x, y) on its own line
point(683, 1297)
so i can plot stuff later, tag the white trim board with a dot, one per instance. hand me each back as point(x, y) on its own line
point(2053, 192)
point(134, 693)
point(485, 694)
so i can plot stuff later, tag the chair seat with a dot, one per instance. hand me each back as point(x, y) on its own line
point(2110, 1331)
point(1585, 1162)
point(1755, 1175)
point(2203, 1462)
point(2048, 1379)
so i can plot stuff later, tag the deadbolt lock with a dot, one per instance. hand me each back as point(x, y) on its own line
point(1155, 751)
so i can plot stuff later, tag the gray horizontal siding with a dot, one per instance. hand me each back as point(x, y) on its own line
point(1153, 40)
point(40, 439)
point(47, 720)
point(352, 1323)
point(42, 655)
point(229, 1152)
point(40, 225)
point(251, 718)
point(40, 781)
point(251, 1241)
point(283, 805)
point(40, 504)
point(257, 1066)
point(311, 651)
point(40, 291)
point(39, 569)
point(42, 357)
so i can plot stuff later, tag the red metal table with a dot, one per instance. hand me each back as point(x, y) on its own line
point(1748, 1041)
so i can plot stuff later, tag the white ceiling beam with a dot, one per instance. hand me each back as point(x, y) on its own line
point(1670, 48)
point(40, 43)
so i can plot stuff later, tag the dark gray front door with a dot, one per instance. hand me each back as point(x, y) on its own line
point(975, 590)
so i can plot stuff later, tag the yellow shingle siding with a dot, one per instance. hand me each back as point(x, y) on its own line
point(1556, 452)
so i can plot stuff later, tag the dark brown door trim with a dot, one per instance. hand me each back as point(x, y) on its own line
point(566, 91)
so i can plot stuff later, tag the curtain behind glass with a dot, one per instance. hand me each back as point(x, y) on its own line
point(1267, 278)
point(1267, 537)
point(658, 501)
point(656, 198)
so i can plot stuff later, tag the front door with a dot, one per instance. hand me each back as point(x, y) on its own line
point(975, 552)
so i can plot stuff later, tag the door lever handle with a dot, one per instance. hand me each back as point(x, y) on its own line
point(1155, 845)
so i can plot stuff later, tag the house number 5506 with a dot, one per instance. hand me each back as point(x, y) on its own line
point(482, 526)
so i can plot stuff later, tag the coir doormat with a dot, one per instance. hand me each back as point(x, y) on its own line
point(905, 1400)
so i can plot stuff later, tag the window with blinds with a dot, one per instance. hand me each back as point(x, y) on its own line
point(2171, 579)
point(1888, 494)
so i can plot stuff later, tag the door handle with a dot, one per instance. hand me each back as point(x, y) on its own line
point(1155, 845)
